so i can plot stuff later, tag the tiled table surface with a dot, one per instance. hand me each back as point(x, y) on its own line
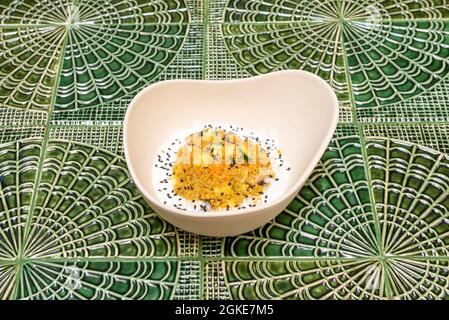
point(371, 223)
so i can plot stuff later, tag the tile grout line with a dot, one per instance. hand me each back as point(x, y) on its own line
point(41, 163)
point(360, 129)
point(203, 76)
point(361, 134)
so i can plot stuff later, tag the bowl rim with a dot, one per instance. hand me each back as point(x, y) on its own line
point(233, 212)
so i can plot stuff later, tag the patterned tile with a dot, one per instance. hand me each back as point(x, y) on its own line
point(107, 137)
point(306, 280)
point(371, 222)
point(242, 50)
point(80, 95)
point(341, 280)
point(15, 134)
point(29, 61)
point(97, 280)
point(434, 136)
point(35, 11)
point(411, 190)
point(332, 215)
point(15, 117)
point(19, 162)
point(239, 11)
point(215, 286)
point(430, 106)
point(418, 279)
point(392, 62)
point(7, 281)
point(106, 62)
point(100, 11)
point(87, 206)
point(188, 286)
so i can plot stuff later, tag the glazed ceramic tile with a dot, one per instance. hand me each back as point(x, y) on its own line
point(328, 279)
point(434, 136)
point(215, 284)
point(35, 11)
point(13, 134)
point(392, 62)
point(87, 205)
point(188, 286)
point(430, 106)
point(88, 94)
point(410, 185)
point(109, 137)
point(243, 50)
point(311, 10)
point(8, 275)
point(19, 162)
point(29, 63)
point(100, 11)
point(106, 62)
point(306, 280)
point(97, 280)
point(15, 117)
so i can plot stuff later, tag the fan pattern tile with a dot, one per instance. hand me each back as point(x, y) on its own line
point(372, 221)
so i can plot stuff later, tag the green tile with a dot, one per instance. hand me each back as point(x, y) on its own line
point(411, 189)
point(430, 106)
point(133, 12)
point(417, 279)
point(397, 9)
point(98, 109)
point(371, 222)
point(94, 11)
point(306, 280)
point(214, 279)
point(278, 10)
point(188, 285)
point(87, 206)
point(14, 134)
point(262, 48)
point(35, 11)
point(21, 118)
point(29, 61)
point(239, 11)
point(7, 281)
point(389, 63)
point(19, 162)
point(398, 278)
point(106, 62)
point(431, 135)
point(97, 280)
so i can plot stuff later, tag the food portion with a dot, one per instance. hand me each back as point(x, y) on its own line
point(221, 169)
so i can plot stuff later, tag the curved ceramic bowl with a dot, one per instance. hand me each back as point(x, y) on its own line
point(299, 106)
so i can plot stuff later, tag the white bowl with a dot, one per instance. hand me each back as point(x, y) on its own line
point(298, 105)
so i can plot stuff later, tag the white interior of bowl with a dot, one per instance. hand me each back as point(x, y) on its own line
point(298, 106)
